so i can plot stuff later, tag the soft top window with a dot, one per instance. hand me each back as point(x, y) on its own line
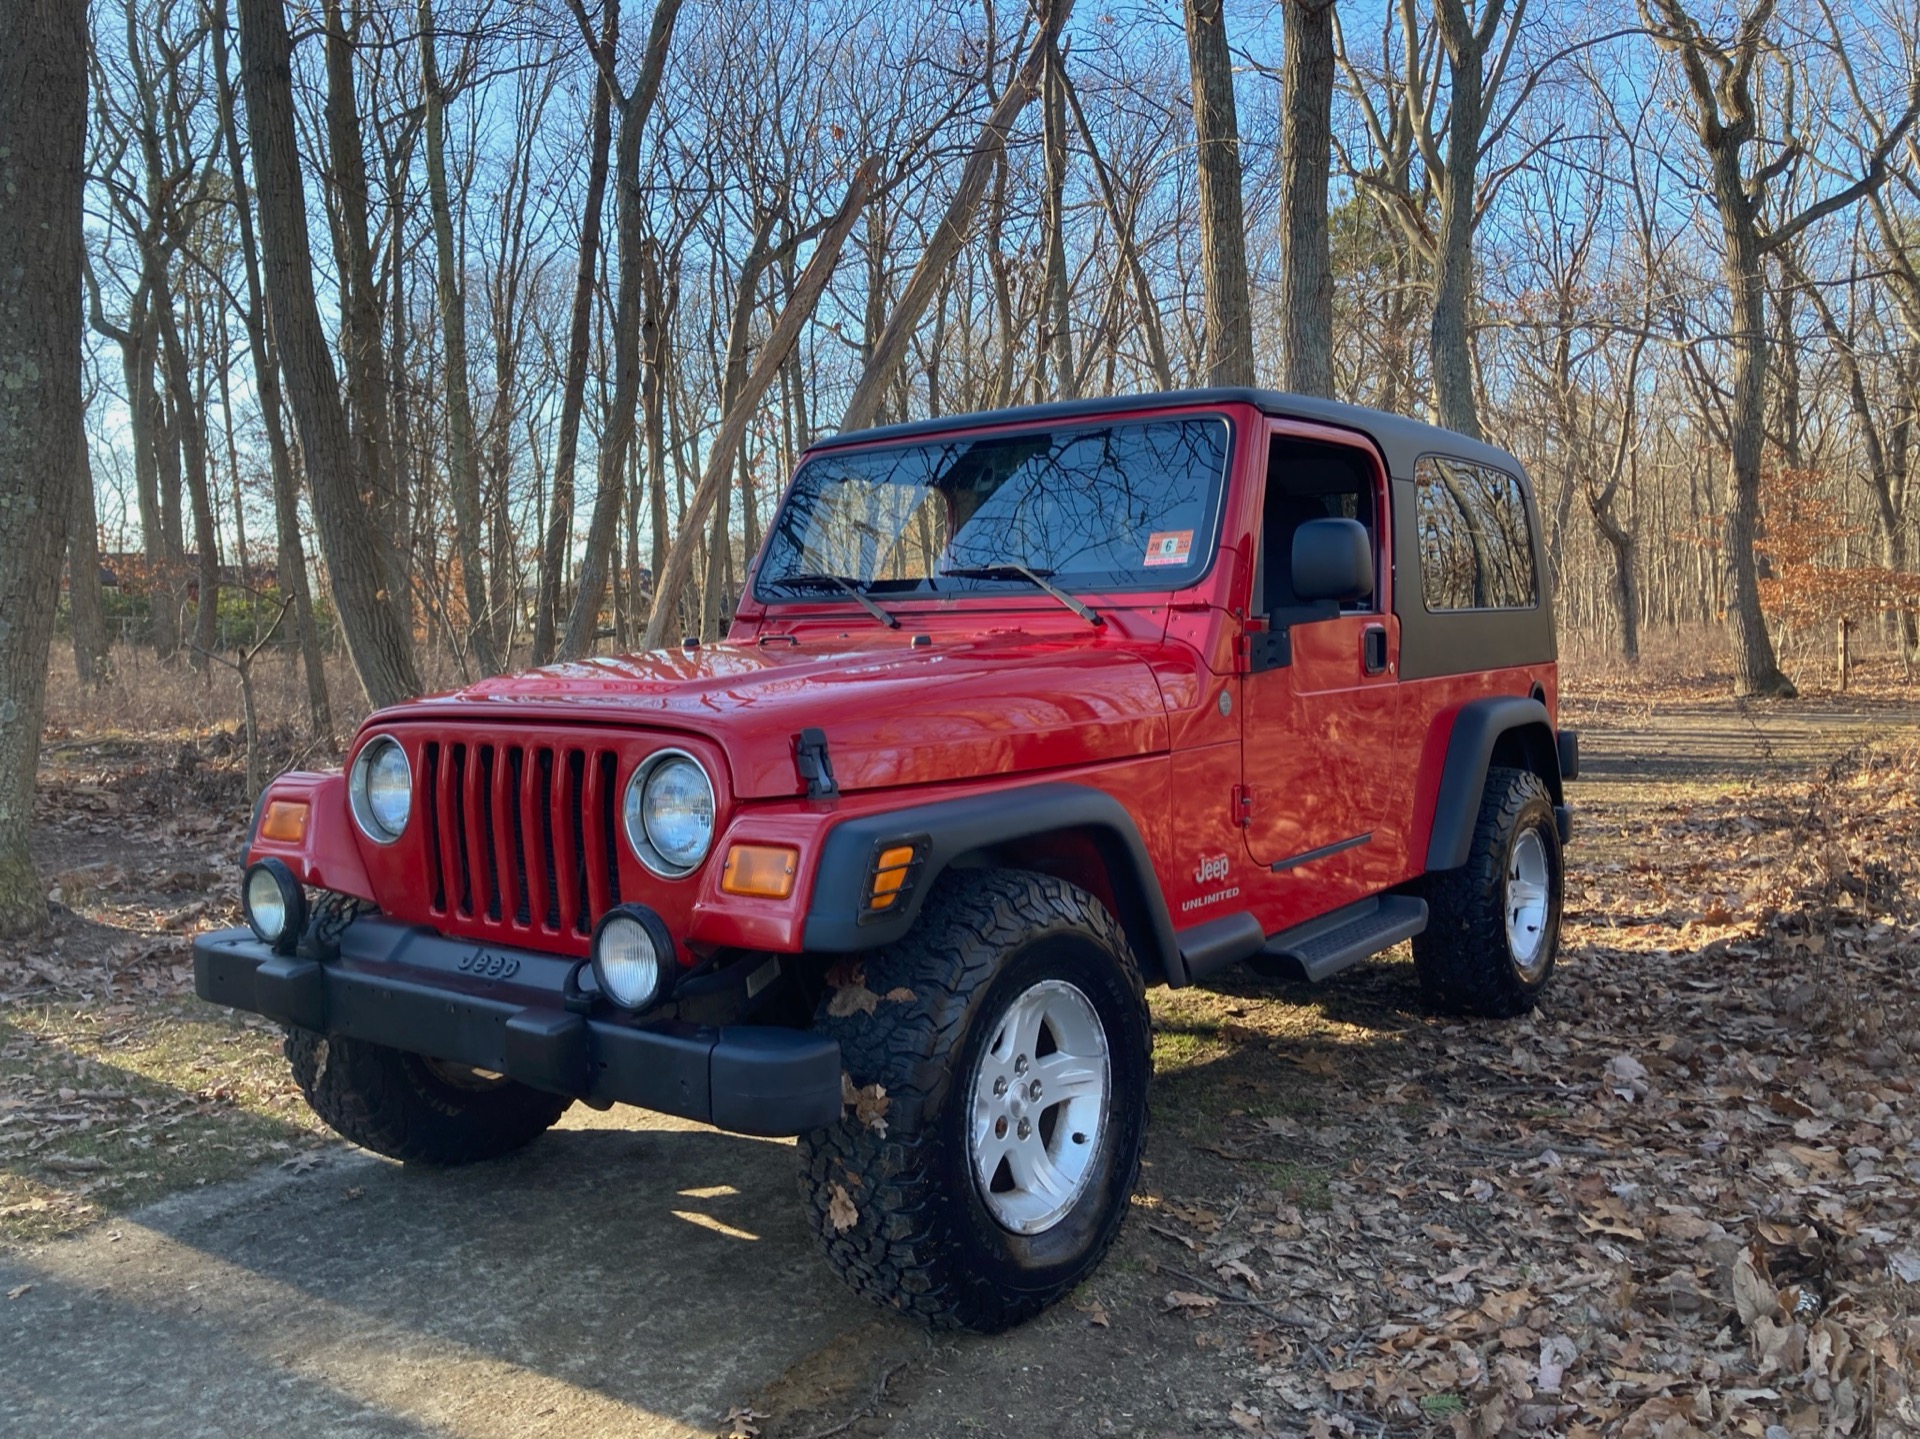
point(1132, 505)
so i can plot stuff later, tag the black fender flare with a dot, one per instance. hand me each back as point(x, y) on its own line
point(947, 829)
point(1477, 729)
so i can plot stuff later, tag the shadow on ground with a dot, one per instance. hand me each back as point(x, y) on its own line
point(607, 1281)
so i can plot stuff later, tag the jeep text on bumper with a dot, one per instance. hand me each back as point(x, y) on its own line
point(413, 989)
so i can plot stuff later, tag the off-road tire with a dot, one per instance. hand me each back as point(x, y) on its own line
point(1464, 959)
point(395, 1104)
point(892, 1197)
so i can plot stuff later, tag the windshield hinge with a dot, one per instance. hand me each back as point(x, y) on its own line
point(814, 764)
point(1242, 806)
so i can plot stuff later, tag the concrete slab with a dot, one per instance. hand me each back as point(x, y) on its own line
point(625, 1276)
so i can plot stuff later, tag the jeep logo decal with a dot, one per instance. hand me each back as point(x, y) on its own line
point(488, 965)
point(1212, 867)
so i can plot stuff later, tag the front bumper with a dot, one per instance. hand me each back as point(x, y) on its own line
point(415, 990)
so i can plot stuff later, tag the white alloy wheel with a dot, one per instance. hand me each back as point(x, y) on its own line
point(1527, 900)
point(1040, 1097)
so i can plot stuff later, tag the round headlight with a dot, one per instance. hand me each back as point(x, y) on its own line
point(627, 963)
point(275, 905)
point(669, 813)
point(381, 790)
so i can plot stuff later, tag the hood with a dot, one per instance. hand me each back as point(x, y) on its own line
point(893, 715)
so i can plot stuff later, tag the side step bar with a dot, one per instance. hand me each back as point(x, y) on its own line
point(1323, 947)
point(1310, 951)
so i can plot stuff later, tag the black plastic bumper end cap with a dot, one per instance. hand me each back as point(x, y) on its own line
point(292, 991)
point(548, 1050)
point(775, 1081)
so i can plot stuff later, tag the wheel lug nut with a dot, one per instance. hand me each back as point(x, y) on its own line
point(1026, 1128)
point(1000, 1085)
point(1020, 1065)
point(1033, 1090)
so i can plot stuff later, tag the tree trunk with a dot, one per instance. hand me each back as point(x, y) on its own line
point(1450, 342)
point(1755, 668)
point(1123, 231)
point(363, 587)
point(573, 393)
point(364, 352)
point(291, 558)
point(463, 459)
point(1053, 105)
point(877, 377)
point(745, 295)
point(583, 622)
point(1306, 159)
point(86, 607)
point(190, 429)
point(43, 117)
point(733, 424)
point(1228, 298)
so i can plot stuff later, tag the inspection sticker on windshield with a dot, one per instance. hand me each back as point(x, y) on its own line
point(1169, 547)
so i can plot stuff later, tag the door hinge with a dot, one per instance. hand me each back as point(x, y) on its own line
point(1242, 805)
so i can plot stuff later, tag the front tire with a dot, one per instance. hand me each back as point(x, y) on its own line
point(1493, 924)
point(1010, 1044)
point(415, 1109)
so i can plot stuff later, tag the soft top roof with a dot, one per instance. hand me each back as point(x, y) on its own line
point(1400, 439)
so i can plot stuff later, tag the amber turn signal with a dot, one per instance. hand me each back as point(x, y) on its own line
point(285, 821)
point(764, 871)
point(890, 875)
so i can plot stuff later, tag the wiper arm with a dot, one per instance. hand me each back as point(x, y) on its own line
point(838, 582)
point(1032, 576)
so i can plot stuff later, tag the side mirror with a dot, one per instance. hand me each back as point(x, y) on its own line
point(1332, 560)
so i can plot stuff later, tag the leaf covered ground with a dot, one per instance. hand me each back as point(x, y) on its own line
point(1683, 1198)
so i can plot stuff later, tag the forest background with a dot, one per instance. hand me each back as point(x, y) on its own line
point(456, 335)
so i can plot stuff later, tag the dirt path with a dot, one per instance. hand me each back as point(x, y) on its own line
point(1322, 1162)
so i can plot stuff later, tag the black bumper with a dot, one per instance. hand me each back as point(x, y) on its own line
point(414, 990)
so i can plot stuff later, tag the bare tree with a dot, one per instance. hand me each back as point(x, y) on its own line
point(357, 560)
point(733, 425)
point(1306, 158)
point(43, 118)
point(573, 389)
point(583, 624)
point(1719, 76)
point(463, 456)
point(291, 568)
point(883, 360)
point(1223, 230)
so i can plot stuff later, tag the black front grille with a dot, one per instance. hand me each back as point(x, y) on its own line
point(522, 838)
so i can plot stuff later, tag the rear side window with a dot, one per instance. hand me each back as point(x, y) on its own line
point(1476, 548)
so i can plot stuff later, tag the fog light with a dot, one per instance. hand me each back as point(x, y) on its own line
point(275, 904)
point(633, 957)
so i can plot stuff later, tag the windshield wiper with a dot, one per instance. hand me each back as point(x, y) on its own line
point(1032, 576)
point(838, 582)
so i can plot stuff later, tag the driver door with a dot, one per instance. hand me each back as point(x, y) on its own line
point(1319, 699)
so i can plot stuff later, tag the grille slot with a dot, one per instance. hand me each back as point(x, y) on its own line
point(520, 838)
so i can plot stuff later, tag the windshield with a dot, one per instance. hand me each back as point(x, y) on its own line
point(1096, 507)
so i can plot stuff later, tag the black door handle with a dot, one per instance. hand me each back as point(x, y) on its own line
point(1373, 649)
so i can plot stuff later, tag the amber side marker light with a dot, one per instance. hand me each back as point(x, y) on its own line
point(285, 821)
point(763, 871)
point(890, 873)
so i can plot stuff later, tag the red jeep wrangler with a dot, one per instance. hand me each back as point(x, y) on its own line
point(1020, 712)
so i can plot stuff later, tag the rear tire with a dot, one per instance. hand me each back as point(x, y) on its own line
point(1493, 925)
point(968, 1193)
point(411, 1108)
